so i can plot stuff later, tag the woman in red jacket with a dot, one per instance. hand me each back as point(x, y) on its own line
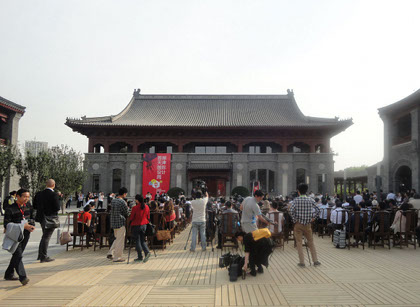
point(140, 216)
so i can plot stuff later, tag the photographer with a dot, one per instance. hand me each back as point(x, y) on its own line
point(18, 213)
point(199, 219)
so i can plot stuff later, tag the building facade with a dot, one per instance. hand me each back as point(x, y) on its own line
point(10, 115)
point(400, 166)
point(224, 140)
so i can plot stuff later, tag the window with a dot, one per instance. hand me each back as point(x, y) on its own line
point(152, 149)
point(210, 149)
point(116, 179)
point(300, 176)
point(265, 178)
point(168, 149)
point(200, 149)
point(320, 187)
point(95, 183)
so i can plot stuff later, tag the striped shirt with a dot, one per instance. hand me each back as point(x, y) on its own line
point(303, 210)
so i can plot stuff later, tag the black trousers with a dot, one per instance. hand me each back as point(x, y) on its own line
point(45, 240)
point(16, 263)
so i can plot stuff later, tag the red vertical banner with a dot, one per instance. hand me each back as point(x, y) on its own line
point(156, 173)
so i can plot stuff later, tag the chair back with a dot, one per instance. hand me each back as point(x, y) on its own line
point(229, 223)
point(411, 217)
point(75, 223)
point(102, 227)
point(278, 219)
point(381, 221)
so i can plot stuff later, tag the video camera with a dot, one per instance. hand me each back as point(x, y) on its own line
point(225, 260)
point(202, 186)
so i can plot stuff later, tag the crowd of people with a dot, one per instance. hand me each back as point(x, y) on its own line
point(300, 212)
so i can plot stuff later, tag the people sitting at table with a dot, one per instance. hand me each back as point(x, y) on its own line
point(139, 218)
point(170, 215)
point(84, 222)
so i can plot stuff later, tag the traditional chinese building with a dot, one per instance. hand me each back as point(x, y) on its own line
point(225, 140)
point(10, 114)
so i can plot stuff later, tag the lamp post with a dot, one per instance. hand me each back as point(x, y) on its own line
point(345, 186)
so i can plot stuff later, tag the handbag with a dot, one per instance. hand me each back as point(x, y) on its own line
point(65, 236)
point(163, 235)
point(51, 221)
point(150, 230)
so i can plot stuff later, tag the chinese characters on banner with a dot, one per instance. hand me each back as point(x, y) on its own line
point(156, 173)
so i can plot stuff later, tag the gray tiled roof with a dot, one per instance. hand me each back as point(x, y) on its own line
point(210, 111)
point(14, 106)
point(405, 103)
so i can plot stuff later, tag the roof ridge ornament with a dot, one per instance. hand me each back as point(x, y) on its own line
point(136, 93)
point(290, 92)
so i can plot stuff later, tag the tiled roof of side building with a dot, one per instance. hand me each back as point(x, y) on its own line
point(216, 111)
point(403, 104)
point(11, 105)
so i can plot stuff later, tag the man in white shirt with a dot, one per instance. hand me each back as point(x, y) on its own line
point(390, 195)
point(337, 215)
point(358, 198)
point(199, 220)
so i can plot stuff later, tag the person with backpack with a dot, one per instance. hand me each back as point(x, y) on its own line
point(258, 246)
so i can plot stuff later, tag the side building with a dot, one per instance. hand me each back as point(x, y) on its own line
point(10, 114)
point(400, 166)
point(224, 140)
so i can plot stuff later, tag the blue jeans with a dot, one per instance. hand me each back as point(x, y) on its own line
point(198, 226)
point(138, 235)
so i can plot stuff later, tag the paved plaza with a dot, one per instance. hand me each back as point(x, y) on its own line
point(176, 277)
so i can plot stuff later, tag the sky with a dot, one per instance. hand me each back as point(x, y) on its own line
point(84, 58)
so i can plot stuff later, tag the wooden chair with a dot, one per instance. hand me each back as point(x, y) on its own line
point(323, 227)
point(277, 230)
point(358, 220)
point(380, 229)
point(229, 227)
point(103, 230)
point(288, 227)
point(407, 236)
point(82, 235)
point(157, 219)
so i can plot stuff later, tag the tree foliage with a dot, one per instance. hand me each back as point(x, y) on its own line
point(7, 158)
point(174, 192)
point(62, 164)
point(240, 190)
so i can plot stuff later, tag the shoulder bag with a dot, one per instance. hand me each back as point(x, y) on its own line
point(65, 236)
point(51, 221)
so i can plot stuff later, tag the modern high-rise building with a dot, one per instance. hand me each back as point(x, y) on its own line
point(35, 147)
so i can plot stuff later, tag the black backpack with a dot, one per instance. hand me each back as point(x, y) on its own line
point(235, 268)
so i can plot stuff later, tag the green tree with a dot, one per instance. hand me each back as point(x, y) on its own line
point(63, 164)
point(7, 159)
point(34, 170)
point(66, 169)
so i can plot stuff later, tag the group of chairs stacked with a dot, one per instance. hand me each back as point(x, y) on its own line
point(371, 226)
point(100, 234)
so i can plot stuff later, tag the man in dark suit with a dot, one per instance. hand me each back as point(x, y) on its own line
point(46, 203)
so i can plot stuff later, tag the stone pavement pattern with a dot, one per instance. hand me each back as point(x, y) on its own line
point(176, 277)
